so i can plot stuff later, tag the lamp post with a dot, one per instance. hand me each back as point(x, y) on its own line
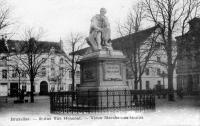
point(163, 75)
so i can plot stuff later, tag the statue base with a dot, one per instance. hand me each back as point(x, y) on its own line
point(102, 71)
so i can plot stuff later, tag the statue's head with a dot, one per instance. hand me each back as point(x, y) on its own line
point(102, 11)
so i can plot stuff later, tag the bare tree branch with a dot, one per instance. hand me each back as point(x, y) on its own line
point(75, 43)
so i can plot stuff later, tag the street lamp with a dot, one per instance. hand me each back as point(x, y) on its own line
point(163, 74)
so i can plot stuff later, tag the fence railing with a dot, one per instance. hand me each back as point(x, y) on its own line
point(101, 101)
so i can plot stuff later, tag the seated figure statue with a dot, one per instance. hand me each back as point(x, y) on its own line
point(99, 36)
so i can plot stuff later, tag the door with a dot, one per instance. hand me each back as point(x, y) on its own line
point(13, 89)
point(43, 88)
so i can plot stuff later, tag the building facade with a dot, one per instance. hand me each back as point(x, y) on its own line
point(155, 73)
point(53, 74)
point(188, 64)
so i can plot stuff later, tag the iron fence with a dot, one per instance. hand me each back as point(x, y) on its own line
point(101, 101)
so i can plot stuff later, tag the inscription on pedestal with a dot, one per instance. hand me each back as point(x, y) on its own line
point(112, 71)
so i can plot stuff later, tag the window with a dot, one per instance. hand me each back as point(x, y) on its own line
point(14, 73)
point(61, 71)
point(158, 71)
point(52, 71)
point(61, 60)
point(43, 71)
point(23, 74)
point(158, 59)
point(77, 74)
point(24, 87)
point(147, 71)
point(4, 74)
point(52, 60)
point(147, 85)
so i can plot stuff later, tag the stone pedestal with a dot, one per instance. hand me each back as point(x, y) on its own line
point(102, 71)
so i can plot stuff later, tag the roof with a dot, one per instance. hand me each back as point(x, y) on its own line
point(129, 41)
point(194, 20)
point(45, 46)
point(193, 31)
point(126, 41)
point(81, 51)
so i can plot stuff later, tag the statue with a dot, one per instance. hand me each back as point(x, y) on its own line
point(99, 36)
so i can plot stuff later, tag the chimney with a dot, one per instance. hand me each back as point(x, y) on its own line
point(61, 44)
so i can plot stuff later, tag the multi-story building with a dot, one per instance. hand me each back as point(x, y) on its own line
point(155, 73)
point(188, 64)
point(53, 75)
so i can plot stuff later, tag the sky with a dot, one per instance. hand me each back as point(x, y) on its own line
point(59, 18)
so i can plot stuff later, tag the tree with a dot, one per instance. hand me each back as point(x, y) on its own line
point(5, 21)
point(31, 57)
point(71, 59)
point(140, 53)
point(173, 16)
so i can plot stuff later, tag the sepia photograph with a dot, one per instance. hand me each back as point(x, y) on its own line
point(99, 62)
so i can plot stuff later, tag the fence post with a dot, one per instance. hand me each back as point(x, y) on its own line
point(67, 102)
point(51, 102)
point(63, 95)
point(101, 94)
point(88, 96)
point(113, 95)
point(107, 98)
point(120, 93)
point(76, 100)
point(125, 97)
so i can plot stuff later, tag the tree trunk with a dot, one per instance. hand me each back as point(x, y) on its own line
point(73, 80)
point(170, 70)
point(140, 81)
point(169, 59)
point(32, 90)
point(135, 84)
point(136, 87)
point(73, 69)
point(170, 84)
